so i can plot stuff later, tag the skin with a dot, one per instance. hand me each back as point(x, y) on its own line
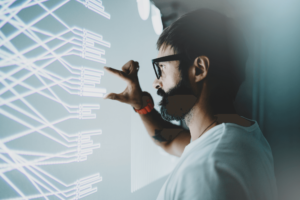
point(191, 105)
point(197, 112)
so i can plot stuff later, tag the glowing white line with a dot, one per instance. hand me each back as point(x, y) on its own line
point(13, 11)
point(34, 110)
point(35, 90)
point(96, 6)
point(33, 129)
point(87, 151)
point(26, 76)
point(82, 109)
point(88, 180)
point(32, 179)
point(15, 161)
point(32, 23)
point(82, 82)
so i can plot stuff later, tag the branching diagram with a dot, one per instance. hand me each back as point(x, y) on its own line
point(28, 71)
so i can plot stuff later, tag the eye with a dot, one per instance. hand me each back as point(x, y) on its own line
point(162, 66)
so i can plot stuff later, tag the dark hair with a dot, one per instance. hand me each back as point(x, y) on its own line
point(209, 33)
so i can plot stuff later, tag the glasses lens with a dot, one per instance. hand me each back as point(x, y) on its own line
point(157, 70)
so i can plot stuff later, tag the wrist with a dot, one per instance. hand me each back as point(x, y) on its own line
point(140, 104)
point(138, 107)
point(146, 106)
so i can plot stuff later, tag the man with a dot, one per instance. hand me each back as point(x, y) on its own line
point(199, 69)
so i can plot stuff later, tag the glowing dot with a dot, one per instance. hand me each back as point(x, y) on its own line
point(156, 19)
point(143, 8)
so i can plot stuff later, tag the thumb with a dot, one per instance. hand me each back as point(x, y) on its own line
point(113, 96)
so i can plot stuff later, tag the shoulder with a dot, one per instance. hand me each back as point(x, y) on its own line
point(241, 143)
point(227, 165)
point(233, 147)
point(242, 140)
point(228, 138)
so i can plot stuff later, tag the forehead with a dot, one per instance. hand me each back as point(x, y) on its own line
point(165, 51)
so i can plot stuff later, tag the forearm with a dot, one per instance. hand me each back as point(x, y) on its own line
point(161, 132)
point(170, 137)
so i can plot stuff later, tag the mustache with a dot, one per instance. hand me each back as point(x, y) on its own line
point(180, 89)
point(160, 92)
point(164, 100)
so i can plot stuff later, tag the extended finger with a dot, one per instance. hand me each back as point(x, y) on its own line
point(114, 96)
point(116, 72)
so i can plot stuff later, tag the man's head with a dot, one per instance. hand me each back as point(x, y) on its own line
point(215, 57)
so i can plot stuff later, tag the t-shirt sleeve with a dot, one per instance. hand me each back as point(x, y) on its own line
point(208, 181)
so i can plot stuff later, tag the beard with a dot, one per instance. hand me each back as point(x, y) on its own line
point(177, 104)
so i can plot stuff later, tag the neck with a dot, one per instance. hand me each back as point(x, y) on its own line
point(203, 114)
point(200, 117)
point(199, 121)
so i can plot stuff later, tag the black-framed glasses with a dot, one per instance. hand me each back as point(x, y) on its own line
point(155, 62)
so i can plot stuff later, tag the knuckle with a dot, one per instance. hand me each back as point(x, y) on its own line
point(133, 63)
point(129, 63)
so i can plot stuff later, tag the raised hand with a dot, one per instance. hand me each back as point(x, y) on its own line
point(133, 93)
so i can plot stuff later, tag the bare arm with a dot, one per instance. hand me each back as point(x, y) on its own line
point(172, 138)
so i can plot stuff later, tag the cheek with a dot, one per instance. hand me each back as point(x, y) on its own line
point(171, 80)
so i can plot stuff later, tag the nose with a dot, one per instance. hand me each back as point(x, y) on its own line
point(157, 84)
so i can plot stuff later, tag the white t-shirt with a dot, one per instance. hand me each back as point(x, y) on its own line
point(228, 162)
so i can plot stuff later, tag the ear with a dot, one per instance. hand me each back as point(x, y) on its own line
point(201, 66)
